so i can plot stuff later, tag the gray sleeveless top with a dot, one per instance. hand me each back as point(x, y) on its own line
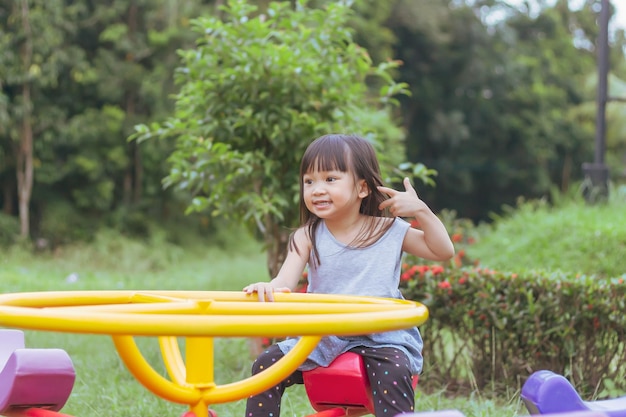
point(371, 271)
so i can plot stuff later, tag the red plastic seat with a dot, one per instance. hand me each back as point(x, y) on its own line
point(342, 388)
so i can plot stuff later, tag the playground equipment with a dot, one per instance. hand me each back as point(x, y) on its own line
point(41, 378)
point(200, 316)
point(547, 392)
point(456, 413)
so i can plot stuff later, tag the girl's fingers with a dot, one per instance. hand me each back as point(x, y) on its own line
point(389, 191)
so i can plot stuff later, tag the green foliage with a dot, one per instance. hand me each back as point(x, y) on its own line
point(492, 329)
point(253, 94)
point(572, 237)
point(482, 88)
point(541, 288)
point(9, 230)
point(62, 223)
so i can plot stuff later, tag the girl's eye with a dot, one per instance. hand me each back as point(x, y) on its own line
point(307, 181)
point(331, 179)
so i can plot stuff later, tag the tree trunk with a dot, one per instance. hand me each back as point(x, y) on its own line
point(277, 241)
point(24, 159)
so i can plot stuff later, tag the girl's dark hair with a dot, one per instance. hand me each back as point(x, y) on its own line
point(345, 153)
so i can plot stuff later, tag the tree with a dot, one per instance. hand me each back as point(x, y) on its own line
point(35, 52)
point(254, 92)
point(130, 49)
point(491, 99)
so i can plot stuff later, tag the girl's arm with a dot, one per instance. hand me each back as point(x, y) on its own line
point(433, 241)
point(290, 272)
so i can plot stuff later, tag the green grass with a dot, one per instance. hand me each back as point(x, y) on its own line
point(573, 237)
point(104, 387)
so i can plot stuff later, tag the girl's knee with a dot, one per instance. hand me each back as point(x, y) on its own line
point(266, 359)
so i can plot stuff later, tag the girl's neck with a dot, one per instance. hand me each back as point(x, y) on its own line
point(346, 229)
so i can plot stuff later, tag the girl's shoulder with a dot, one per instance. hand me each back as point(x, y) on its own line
point(302, 235)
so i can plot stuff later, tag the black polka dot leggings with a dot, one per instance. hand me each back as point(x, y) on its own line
point(388, 370)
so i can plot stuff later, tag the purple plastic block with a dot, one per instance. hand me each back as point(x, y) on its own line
point(9, 341)
point(546, 392)
point(32, 377)
point(442, 413)
point(578, 414)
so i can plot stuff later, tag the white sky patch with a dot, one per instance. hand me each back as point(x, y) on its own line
point(618, 21)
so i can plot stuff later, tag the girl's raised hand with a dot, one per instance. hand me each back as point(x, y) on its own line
point(402, 203)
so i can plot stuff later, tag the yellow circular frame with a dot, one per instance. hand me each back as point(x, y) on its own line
point(199, 316)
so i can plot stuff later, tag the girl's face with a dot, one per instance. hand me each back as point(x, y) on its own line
point(332, 194)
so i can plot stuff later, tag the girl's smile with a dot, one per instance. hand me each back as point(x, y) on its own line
point(327, 193)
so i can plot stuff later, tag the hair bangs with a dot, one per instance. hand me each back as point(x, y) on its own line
point(328, 153)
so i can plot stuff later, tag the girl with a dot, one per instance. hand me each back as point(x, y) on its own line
point(352, 239)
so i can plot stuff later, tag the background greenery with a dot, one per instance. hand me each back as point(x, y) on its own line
point(230, 259)
point(501, 108)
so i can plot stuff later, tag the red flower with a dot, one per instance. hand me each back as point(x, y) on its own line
point(405, 277)
point(444, 285)
point(457, 237)
point(437, 269)
point(462, 280)
point(423, 268)
point(415, 224)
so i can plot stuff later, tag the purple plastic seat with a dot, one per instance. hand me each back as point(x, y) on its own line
point(546, 392)
point(41, 378)
point(456, 413)
point(9, 341)
point(442, 413)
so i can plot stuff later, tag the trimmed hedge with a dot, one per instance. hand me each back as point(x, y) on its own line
point(493, 329)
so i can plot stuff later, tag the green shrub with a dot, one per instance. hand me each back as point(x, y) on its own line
point(61, 223)
point(542, 288)
point(489, 327)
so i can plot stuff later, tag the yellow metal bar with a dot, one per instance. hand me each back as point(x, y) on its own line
point(172, 359)
point(266, 379)
point(93, 297)
point(199, 353)
point(199, 391)
point(149, 378)
point(208, 325)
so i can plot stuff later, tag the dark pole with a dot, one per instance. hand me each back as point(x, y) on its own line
point(597, 173)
